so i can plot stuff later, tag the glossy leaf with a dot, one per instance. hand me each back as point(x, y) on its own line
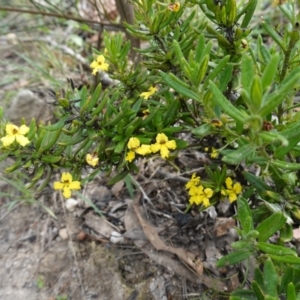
point(269, 226)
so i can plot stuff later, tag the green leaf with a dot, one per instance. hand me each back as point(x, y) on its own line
point(285, 259)
point(242, 295)
point(275, 249)
point(269, 226)
point(255, 181)
point(278, 96)
point(179, 86)
point(256, 93)
point(270, 72)
point(216, 71)
point(258, 291)
point(225, 77)
point(235, 157)
point(248, 10)
point(244, 212)
point(291, 274)
point(274, 35)
point(203, 130)
point(286, 233)
point(285, 165)
point(226, 105)
point(291, 292)
point(118, 177)
point(259, 277)
point(247, 72)
point(234, 258)
point(282, 150)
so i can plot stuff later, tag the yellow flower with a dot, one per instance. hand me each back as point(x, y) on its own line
point(232, 190)
point(214, 153)
point(134, 145)
point(216, 123)
point(278, 2)
point(146, 113)
point(143, 150)
point(200, 195)
point(130, 156)
point(14, 133)
point(66, 184)
point(99, 64)
point(92, 159)
point(150, 92)
point(163, 145)
point(174, 6)
point(194, 181)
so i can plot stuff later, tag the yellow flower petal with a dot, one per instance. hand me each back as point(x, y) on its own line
point(205, 201)
point(130, 156)
point(92, 160)
point(149, 93)
point(194, 181)
point(228, 183)
point(22, 140)
point(161, 138)
point(164, 151)
point(208, 192)
point(74, 185)
point(11, 129)
point(171, 145)
point(58, 185)
point(66, 177)
point(133, 143)
point(66, 192)
point(232, 197)
point(155, 147)
point(237, 188)
point(8, 140)
point(143, 150)
point(23, 130)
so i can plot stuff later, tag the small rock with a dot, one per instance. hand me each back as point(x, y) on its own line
point(116, 237)
point(63, 233)
point(71, 204)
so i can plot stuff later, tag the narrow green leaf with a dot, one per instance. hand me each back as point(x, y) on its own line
point(270, 72)
point(216, 71)
point(274, 35)
point(291, 292)
point(242, 295)
point(282, 150)
point(249, 10)
point(285, 259)
point(234, 157)
point(244, 212)
point(275, 249)
point(179, 86)
point(278, 96)
point(255, 181)
point(256, 93)
point(285, 165)
point(234, 258)
point(269, 226)
point(258, 291)
point(226, 105)
point(247, 72)
point(259, 277)
point(118, 177)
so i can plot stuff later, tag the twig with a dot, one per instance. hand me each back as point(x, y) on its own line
point(106, 26)
point(73, 252)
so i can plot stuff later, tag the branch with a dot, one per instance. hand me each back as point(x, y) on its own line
point(107, 26)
